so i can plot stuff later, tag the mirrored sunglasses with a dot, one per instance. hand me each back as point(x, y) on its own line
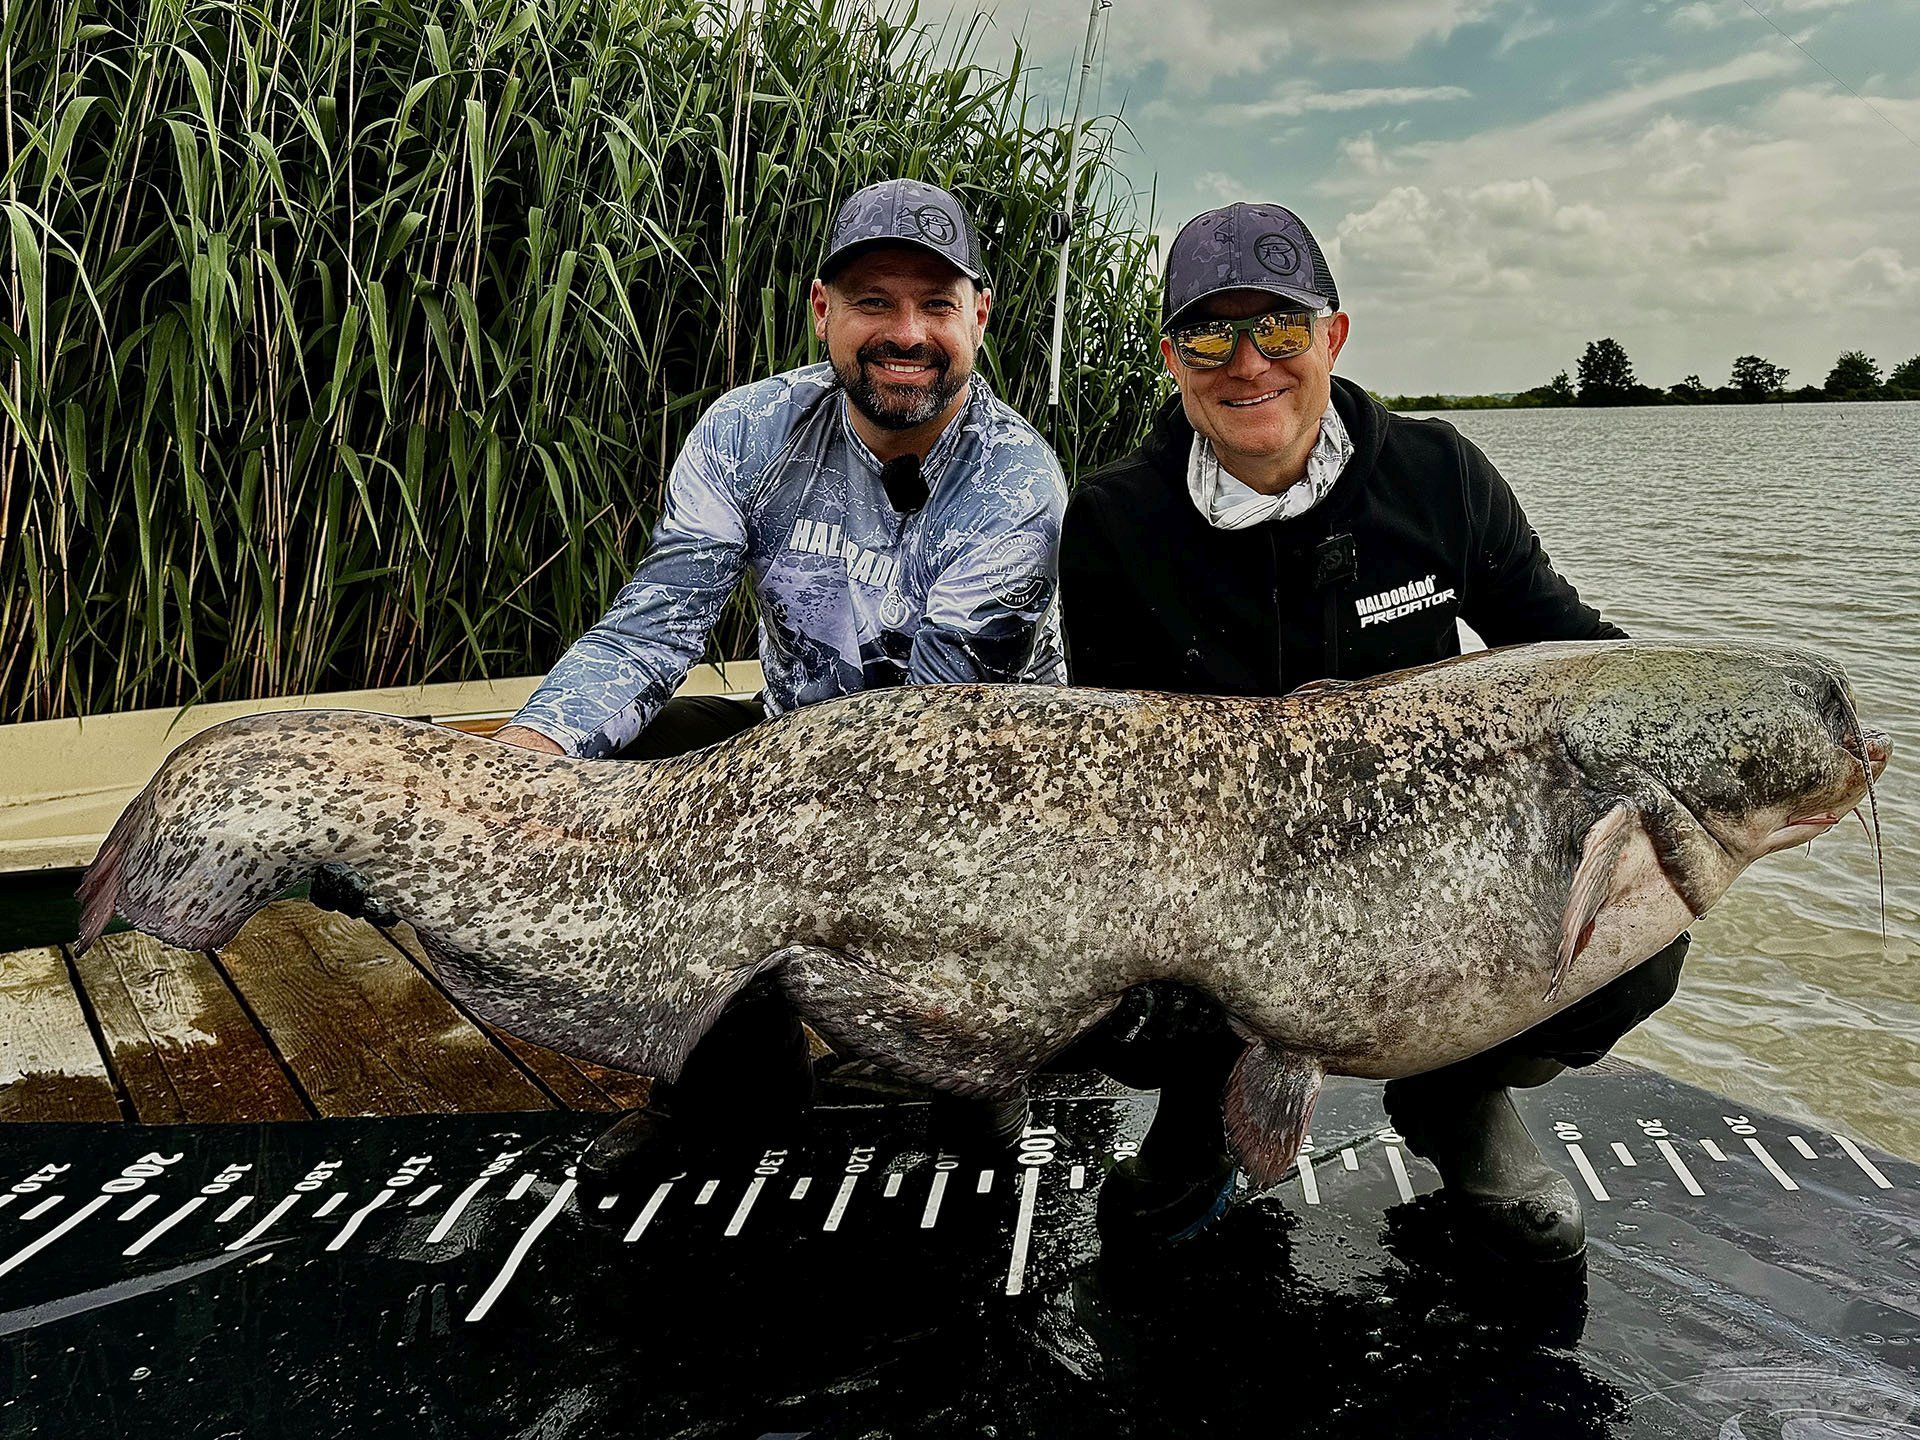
point(1278, 335)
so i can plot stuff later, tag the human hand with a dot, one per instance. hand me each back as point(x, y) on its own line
point(527, 739)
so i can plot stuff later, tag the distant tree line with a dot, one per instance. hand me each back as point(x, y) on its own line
point(1604, 376)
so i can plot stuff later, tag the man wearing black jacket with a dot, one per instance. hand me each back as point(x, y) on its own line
point(1279, 526)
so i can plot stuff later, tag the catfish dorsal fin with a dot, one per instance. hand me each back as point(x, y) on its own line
point(1591, 881)
point(1269, 1097)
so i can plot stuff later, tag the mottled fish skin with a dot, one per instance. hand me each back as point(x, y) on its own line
point(959, 880)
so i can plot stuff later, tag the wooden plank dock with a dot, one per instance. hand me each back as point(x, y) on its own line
point(304, 1014)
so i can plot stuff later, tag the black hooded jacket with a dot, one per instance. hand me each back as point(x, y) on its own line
point(1419, 529)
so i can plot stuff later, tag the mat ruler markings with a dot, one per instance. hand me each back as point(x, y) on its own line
point(139, 1206)
point(1678, 1166)
point(1309, 1182)
point(706, 1192)
point(1399, 1167)
point(42, 1208)
point(265, 1222)
point(353, 1221)
point(1773, 1166)
point(22, 1256)
point(520, 1186)
point(1806, 1150)
point(1872, 1170)
point(648, 1211)
point(754, 1186)
point(520, 1249)
point(165, 1225)
point(1624, 1155)
point(800, 1187)
point(939, 1188)
point(1023, 1231)
point(840, 1203)
point(332, 1203)
point(1585, 1167)
point(1712, 1148)
point(424, 1196)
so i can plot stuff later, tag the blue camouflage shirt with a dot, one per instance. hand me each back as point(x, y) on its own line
point(852, 594)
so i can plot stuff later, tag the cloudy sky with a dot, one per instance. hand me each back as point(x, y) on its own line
point(1499, 181)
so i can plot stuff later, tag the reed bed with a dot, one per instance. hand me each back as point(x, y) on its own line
point(348, 342)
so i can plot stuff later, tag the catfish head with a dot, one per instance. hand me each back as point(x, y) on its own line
point(1729, 751)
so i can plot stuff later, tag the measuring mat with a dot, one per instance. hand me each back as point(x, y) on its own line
point(1746, 1276)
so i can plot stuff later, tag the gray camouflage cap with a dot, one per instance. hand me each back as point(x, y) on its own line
point(906, 212)
point(1245, 247)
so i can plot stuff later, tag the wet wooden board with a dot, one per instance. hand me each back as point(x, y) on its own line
point(577, 1084)
point(179, 1042)
point(363, 1031)
point(50, 1067)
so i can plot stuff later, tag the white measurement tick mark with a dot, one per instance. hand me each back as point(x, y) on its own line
point(424, 1196)
point(1678, 1166)
point(464, 1199)
point(520, 1249)
point(265, 1223)
point(1077, 1178)
point(165, 1225)
point(893, 1184)
point(986, 1183)
point(1773, 1166)
point(232, 1210)
point(840, 1203)
point(1309, 1182)
point(706, 1193)
point(1713, 1148)
point(1023, 1231)
point(1399, 1168)
point(21, 1257)
point(139, 1206)
point(42, 1208)
point(1806, 1150)
point(353, 1221)
point(934, 1192)
point(607, 1202)
point(521, 1186)
point(1872, 1170)
point(1349, 1159)
point(332, 1203)
point(1623, 1155)
point(746, 1203)
point(648, 1211)
point(1585, 1167)
point(800, 1187)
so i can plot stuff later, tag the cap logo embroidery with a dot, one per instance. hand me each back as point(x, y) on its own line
point(1278, 254)
point(934, 224)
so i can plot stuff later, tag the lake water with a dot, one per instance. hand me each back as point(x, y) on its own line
point(1794, 523)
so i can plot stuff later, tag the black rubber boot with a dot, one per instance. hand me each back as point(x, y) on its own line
point(750, 1079)
point(1507, 1197)
point(1182, 1179)
point(975, 1127)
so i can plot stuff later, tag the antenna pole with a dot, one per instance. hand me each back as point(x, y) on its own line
point(1063, 221)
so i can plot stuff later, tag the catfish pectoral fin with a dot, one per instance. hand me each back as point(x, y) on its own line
point(1270, 1096)
point(1599, 854)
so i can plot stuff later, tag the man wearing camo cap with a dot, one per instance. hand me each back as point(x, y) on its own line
point(1280, 526)
point(901, 525)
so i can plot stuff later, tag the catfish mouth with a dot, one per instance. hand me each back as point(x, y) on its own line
point(1801, 828)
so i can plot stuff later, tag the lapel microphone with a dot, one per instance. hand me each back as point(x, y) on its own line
point(906, 486)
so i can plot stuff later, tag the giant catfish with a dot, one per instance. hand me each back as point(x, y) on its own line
point(1373, 878)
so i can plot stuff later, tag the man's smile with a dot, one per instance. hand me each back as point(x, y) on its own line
point(1254, 400)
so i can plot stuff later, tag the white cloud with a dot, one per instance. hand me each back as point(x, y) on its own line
point(1297, 98)
point(1201, 41)
point(1219, 185)
point(1684, 239)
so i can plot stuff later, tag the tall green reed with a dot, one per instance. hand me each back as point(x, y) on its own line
point(348, 342)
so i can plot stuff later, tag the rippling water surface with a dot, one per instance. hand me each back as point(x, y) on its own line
point(1796, 523)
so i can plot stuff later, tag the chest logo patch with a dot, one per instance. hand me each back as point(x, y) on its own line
point(1402, 600)
point(864, 567)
